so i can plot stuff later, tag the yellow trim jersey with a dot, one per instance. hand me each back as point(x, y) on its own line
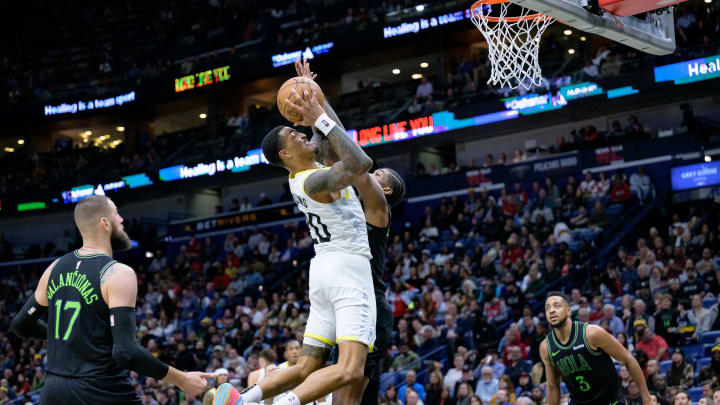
point(335, 227)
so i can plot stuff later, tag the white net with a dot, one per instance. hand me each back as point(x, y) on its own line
point(513, 44)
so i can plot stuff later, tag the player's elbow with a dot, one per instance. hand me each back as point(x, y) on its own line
point(122, 357)
point(16, 326)
point(361, 166)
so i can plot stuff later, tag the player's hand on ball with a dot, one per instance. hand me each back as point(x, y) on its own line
point(303, 68)
point(195, 383)
point(308, 106)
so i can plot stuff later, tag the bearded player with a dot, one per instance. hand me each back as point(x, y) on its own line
point(342, 304)
point(90, 333)
point(378, 190)
point(580, 355)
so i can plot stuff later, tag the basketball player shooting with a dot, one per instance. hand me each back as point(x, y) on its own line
point(91, 334)
point(377, 190)
point(342, 302)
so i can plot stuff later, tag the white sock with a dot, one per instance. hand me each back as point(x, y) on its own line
point(252, 394)
point(289, 399)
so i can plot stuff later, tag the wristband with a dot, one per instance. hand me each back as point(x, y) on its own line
point(324, 124)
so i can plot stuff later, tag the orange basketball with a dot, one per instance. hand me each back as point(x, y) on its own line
point(285, 92)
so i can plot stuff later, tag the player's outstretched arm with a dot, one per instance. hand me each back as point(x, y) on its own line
point(119, 284)
point(30, 321)
point(553, 378)
point(599, 338)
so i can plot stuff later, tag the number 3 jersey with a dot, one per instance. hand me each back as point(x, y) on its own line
point(79, 337)
point(335, 227)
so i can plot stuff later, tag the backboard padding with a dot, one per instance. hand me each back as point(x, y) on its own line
point(656, 37)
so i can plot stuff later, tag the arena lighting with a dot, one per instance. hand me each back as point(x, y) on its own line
point(21, 141)
point(708, 1)
point(420, 7)
point(417, 76)
point(571, 51)
point(396, 71)
point(86, 140)
point(708, 158)
point(583, 38)
point(424, 65)
point(149, 254)
point(86, 133)
point(9, 149)
point(202, 116)
point(567, 32)
point(120, 129)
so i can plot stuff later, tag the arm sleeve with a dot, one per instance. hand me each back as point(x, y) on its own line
point(126, 351)
point(28, 323)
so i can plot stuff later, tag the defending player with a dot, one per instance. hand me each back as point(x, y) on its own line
point(377, 190)
point(579, 354)
point(91, 329)
point(342, 306)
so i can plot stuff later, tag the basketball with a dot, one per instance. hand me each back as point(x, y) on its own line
point(299, 84)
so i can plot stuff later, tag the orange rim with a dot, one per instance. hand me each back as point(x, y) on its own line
point(480, 3)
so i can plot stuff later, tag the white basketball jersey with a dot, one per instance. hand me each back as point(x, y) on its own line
point(337, 226)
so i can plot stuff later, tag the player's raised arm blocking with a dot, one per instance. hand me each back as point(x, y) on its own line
point(353, 160)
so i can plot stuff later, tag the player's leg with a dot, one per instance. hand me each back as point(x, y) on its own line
point(318, 341)
point(311, 358)
point(348, 371)
point(367, 392)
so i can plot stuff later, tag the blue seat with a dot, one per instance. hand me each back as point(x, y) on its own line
point(693, 352)
point(695, 394)
point(617, 368)
point(665, 366)
point(709, 337)
point(563, 388)
point(701, 363)
point(709, 302)
point(614, 209)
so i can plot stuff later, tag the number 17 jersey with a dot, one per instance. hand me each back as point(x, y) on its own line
point(79, 337)
point(338, 226)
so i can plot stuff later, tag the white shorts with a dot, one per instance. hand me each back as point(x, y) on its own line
point(342, 300)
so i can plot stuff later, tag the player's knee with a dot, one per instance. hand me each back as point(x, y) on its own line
point(352, 374)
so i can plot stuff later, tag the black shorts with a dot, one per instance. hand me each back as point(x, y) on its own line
point(88, 391)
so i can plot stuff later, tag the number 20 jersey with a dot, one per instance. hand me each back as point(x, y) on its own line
point(335, 227)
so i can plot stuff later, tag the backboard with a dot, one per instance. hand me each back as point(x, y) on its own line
point(656, 35)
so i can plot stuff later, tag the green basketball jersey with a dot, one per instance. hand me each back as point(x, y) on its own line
point(589, 375)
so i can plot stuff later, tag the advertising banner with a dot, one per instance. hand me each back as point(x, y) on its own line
point(229, 220)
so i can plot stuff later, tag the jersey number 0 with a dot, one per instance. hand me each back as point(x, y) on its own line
point(317, 228)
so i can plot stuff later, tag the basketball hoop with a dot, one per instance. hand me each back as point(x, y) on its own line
point(513, 42)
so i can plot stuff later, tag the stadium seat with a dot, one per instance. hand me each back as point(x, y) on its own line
point(709, 337)
point(563, 388)
point(694, 352)
point(709, 302)
point(665, 366)
point(695, 394)
point(701, 363)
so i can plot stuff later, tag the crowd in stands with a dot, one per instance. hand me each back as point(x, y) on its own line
point(466, 282)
